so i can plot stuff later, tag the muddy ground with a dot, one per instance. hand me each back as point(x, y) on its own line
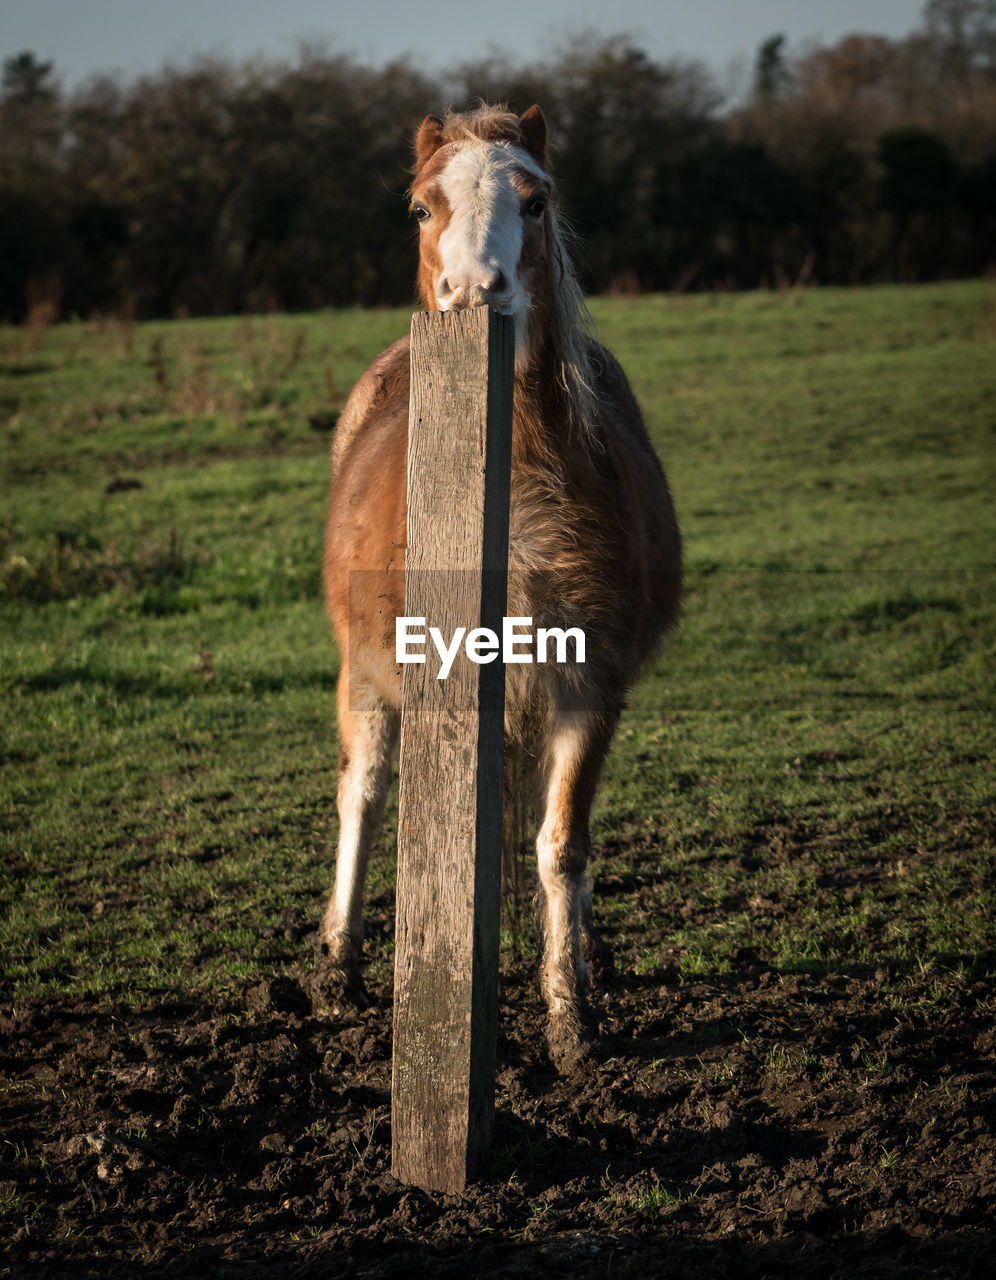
point(744, 1125)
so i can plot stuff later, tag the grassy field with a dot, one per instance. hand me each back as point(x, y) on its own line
point(167, 792)
point(794, 839)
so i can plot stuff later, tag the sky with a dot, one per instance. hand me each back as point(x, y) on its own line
point(132, 36)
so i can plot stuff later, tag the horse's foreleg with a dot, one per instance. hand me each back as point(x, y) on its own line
point(367, 740)
point(575, 751)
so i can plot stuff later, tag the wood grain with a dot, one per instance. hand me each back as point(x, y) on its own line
point(450, 790)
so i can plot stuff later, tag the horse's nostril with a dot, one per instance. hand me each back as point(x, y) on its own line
point(472, 290)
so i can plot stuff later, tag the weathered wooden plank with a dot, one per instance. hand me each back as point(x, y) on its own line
point(450, 789)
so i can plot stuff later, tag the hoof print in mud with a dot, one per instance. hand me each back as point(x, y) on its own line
point(277, 995)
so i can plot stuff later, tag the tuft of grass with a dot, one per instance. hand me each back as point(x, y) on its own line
point(889, 1160)
point(507, 1161)
point(655, 1197)
point(72, 563)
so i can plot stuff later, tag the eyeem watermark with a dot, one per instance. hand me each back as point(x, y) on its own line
point(481, 644)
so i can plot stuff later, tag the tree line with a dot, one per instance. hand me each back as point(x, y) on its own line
point(221, 187)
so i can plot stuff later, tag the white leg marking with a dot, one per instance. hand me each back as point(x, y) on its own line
point(362, 791)
point(561, 848)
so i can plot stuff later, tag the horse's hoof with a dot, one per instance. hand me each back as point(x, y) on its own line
point(569, 1046)
point(337, 992)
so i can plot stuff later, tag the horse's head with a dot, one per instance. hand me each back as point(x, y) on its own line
point(480, 194)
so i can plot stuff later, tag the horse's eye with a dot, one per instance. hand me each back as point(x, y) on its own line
point(535, 207)
point(420, 212)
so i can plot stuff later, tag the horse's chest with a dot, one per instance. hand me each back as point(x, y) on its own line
point(533, 548)
point(552, 557)
point(540, 526)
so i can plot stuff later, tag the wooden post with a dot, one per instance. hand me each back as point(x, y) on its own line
point(452, 732)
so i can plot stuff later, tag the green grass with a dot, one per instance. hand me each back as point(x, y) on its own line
point(803, 778)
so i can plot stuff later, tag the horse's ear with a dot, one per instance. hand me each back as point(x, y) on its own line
point(533, 126)
point(428, 140)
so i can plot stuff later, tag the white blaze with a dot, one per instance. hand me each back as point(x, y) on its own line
point(483, 242)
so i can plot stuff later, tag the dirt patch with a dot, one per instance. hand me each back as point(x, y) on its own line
point(746, 1125)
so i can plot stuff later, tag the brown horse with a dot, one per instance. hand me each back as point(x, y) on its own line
point(593, 539)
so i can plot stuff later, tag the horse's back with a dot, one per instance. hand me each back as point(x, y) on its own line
point(384, 385)
point(619, 405)
point(365, 535)
point(643, 505)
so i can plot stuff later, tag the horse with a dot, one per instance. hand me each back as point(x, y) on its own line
point(593, 543)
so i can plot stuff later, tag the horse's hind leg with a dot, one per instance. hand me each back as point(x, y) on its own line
point(575, 751)
point(367, 737)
